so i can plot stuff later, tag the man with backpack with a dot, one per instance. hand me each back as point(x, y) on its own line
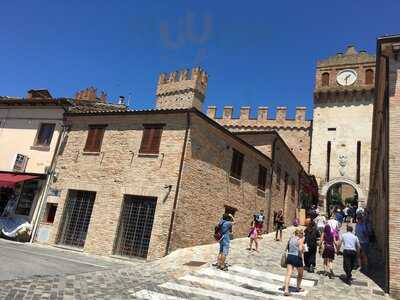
point(222, 234)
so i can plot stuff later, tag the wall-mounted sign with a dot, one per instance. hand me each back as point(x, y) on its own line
point(20, 163)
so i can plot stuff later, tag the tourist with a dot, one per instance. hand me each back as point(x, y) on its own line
point(359, 212)
point(279, 225)
point(225, 225)
point(311, 236)
point(334, 225)
point(351, 249)
point(259, 222)
point(339, 217)
point(253, 235)
point(327, 247)
point(295, 260)
point(345, 213)
point(321, 222)
point(363, 233)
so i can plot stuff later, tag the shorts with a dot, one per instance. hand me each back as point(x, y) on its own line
point(295, 260)
point(224, 248)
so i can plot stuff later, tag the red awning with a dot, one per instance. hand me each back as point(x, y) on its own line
point(10, 179)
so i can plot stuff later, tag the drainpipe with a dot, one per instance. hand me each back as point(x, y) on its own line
point(171, 225)
point(50, 175)
point(270, 183)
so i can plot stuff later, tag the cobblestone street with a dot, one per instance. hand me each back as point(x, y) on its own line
point(251, 276)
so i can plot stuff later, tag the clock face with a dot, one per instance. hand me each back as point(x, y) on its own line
point(346, 77)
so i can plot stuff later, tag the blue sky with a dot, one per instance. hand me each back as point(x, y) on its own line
point(257, 53)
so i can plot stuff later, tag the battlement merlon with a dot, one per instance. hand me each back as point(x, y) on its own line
point(262, 113)
point(182, 81)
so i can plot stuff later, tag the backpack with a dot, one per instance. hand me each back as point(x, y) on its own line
point(218, 232)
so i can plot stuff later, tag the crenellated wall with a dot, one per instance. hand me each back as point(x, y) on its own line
point(182, 89)
point(295, 132)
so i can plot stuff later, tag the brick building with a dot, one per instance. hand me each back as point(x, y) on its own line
point(295, 180)
point(142, 183)
point(384, 196)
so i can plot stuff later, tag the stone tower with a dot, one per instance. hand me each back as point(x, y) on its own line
point(342, 122)
point(182, 89)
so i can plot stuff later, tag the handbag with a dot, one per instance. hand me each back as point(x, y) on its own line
point(284, 259)
point(284, 256)
point(321, 248)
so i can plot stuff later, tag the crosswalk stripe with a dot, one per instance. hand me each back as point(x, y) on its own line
point(270, 276)
point(276, 288)
point(227, 286)
point(150, 295)
point(200, 291)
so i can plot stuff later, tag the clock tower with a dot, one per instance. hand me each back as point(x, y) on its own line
point(342, 122)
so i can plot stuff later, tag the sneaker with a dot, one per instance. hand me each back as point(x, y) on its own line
point(225, 268)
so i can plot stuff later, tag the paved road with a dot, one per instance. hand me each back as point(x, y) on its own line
point(252, 276)
point(24, 260)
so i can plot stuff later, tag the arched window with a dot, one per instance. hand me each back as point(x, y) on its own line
point(325, 79)
point(369, 76)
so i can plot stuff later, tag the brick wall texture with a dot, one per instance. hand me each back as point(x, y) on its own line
point(206, 186)
point(384, 198)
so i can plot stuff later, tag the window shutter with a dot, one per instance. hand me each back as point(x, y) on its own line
point(262, 178)
point(237, 163)
point(151, 138)
point(95, 138)
point(155, 140)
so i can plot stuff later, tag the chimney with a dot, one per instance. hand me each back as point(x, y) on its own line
point(39, 94)
point(121, 100)
point(211, 112)
point(301, 113)
point(244, 112)
point(262, 113)
point(281, 112)
point(227, 112)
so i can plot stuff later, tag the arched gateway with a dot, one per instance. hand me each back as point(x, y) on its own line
point(325, 188)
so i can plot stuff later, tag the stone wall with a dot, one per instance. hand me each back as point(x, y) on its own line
point(182, 89)
point(295, 132)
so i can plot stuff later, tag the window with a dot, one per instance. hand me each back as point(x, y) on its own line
point(358, 162)
point(76, 218)
point(278, 178)
point(262, 178)
point(25, 201)
point(230, 210)
point(151, 138)
point(45, 134)
point(135, 226)
point(328, 160)
point(237, 164)
point(51, 209)
point(94, 138)
point(369, 76)
point(325, 79)
point(292, 189)
point(286, 181)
